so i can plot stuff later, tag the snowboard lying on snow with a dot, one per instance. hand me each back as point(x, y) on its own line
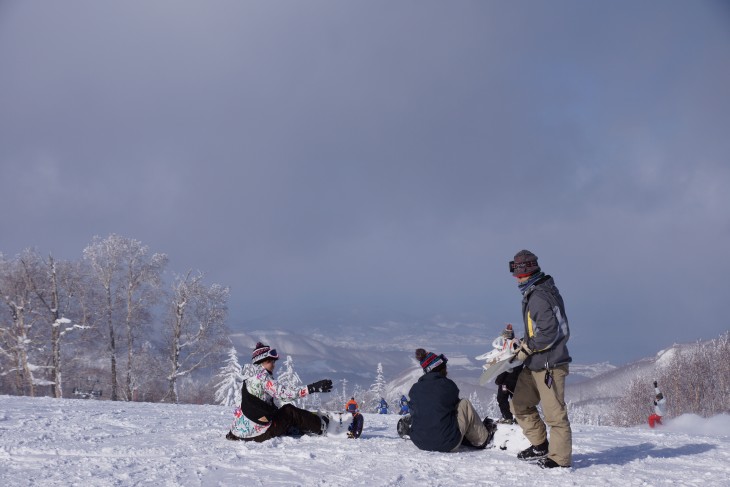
point(339, 424)
point(507, 437)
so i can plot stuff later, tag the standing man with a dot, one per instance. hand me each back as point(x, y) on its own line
point(546, 358)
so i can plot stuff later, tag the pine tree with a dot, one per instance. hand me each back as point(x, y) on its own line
point(288, 377)
point(228, 392)
point(377, 389)
point(477, 403)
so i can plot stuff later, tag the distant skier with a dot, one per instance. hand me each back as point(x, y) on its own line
point(659, 404)
point(439, 419)
point(355, 428)
point(258, 419)
point(351, 401)
point(403, 405)
point(383, 406)
point(506, 381)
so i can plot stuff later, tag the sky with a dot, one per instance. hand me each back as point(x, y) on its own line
point(386, 155)
point(61, 442)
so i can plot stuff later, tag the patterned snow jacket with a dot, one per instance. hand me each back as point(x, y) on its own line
point(258, 410)
point(546, 325)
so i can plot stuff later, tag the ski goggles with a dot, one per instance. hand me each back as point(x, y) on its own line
point(269, 354)
point(522, 267)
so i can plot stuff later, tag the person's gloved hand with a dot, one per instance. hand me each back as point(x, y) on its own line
point(523, 353)
point(324, 385)
point(655, 385)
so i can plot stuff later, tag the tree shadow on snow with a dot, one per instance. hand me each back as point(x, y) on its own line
point(621, 455)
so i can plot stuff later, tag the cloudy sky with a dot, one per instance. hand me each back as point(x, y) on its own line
point(386, 154)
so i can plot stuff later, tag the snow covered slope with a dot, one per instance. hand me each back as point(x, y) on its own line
point(61, 442)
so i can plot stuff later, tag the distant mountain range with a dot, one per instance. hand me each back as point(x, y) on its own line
point(353, 354)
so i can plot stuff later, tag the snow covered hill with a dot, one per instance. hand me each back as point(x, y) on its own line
point(61, 442)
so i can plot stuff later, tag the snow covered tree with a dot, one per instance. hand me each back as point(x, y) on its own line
point(477, 403)
point(130, 278)
point(377, 389)
point(54, 285)
point(228, 391)
point(194, 327)
point(344, 397)
point(18, 337)
point(288, 376)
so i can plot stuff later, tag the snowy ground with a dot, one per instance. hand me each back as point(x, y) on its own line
point(52, 442)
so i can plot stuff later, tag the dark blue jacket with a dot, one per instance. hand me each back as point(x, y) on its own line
point(434, 399)
point(356, 426)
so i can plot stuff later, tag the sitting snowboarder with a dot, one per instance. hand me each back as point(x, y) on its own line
point(439, 420)
point(355, 428)
point(403, 405)
point(506, 381)
point(259, 419)
point(659, 402)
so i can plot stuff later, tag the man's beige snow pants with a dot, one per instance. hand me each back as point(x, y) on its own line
point(531, 391)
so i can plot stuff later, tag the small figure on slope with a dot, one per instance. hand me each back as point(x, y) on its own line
point(659, 403)
point(506, 381)
point(403, 405)
point(351, 401)
point(383, 406)
point(259, 419)
point(439, 420)
point(355, 428)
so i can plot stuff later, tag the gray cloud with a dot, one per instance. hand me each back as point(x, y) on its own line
point(385, 152)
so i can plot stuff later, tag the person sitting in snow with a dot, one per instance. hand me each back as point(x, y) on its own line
point(659, 402)
point(403, 405)
point(355, 428)
point(440, 420)
point(383, 406)
point(506, 381)
point(259, 419)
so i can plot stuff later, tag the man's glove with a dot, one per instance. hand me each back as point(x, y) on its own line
point(320, 386)
point(523, 353)
point(655, 385)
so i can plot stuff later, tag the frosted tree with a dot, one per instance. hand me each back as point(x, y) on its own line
point(377, 389)
point(194, 327)
point(20, 339)
point(477, 403)
point(130, 278)
point(54, 285)
point(230, 379)
point(288, 376)
point(344, 397)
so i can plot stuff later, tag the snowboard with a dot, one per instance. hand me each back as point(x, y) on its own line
point(339, 424)
point(498, 364)
point(500, 359)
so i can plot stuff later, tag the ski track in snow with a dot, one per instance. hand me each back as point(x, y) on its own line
point(71, 442)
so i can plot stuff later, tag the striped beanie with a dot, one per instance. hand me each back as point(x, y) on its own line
point(261, 352)
point(430, 361)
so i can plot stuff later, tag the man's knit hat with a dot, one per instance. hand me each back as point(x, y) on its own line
point(262, 352)
point(430, 361)
point(525, 264)
point(508, 333)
